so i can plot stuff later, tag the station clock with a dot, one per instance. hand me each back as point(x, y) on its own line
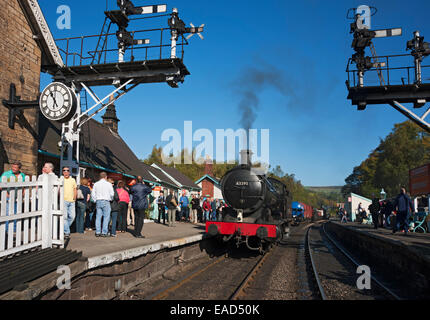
point(58, 102)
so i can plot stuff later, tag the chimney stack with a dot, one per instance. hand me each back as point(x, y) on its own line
point(209, 166)
point(245, 157)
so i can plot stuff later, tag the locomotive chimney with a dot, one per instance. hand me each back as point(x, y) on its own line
point(245, 157)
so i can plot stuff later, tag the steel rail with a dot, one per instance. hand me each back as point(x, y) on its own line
point(251, 274)
point(346, 254)
point(163, 293)
point(315, 272)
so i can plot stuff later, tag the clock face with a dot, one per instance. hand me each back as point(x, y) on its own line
point(58, 102)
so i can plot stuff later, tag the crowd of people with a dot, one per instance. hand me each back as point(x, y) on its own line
point(391, 214)
point(110, 207)
point(193, 209)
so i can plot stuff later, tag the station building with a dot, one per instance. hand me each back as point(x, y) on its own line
point(210, 185)
point(182, 182)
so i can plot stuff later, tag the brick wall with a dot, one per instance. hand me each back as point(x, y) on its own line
point(20, 62)
point(207, 187)
point(99, 284)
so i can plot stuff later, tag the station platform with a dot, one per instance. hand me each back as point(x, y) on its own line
point(417, 242)
point(401, 259)
point(106, 262)
point(104, 251)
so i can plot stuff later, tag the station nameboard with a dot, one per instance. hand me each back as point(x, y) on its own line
point(419, 180)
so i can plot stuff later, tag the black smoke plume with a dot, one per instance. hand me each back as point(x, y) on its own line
point(252, 83)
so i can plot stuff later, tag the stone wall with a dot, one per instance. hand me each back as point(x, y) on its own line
point(100, 283)
point(20, 63)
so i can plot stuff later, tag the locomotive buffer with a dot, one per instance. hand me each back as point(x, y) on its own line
point(414, 90)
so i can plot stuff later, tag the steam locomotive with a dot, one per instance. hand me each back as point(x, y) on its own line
point(258, 212)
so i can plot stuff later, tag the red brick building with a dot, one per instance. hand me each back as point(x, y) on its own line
point(210, 185)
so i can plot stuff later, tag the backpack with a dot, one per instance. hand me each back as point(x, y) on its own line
point(124, 196)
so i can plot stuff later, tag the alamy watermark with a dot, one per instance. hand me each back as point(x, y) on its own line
point(215, 147)
point(364, 280)
point(364, 21)
point(64, 21)
point(63, 281)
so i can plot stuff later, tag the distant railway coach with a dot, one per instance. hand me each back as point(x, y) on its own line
point(302, 212)
point(308, 211)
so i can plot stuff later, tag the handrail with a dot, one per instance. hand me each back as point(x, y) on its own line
point(391, 73)
point(100, 55)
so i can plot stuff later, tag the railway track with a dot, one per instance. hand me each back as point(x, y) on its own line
point(245, 283)
point(319, 247)
point(310, 255)
point(234, 291)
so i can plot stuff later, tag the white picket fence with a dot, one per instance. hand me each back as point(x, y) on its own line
point(36, 209)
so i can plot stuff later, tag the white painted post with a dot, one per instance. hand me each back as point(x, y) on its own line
point(174, 39)
point(61, 231)
point(19, 212)
point(12, 201)
point(3, 214)
point(34, 207)
point(26, 210)
point(46, 212)
point(55, 208)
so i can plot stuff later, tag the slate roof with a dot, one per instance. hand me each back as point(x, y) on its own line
point(216, 181)
point(100, 147)
point(182, 179)
point(104, 149)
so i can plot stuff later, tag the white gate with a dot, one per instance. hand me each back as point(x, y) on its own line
point(31, 214)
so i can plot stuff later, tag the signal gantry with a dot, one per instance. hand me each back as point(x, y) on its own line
point(396, 83)
point(122, 59)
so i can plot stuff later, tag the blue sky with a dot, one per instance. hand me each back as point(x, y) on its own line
point(315, 132)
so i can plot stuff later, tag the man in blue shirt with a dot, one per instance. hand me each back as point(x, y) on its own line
point(184, 206)
point(403, 204)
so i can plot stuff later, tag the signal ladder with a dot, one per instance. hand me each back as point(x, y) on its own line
point(377, 64)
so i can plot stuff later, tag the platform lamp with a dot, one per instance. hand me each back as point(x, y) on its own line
point(383, 194)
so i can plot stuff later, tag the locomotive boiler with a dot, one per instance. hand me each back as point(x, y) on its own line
point(258, 212)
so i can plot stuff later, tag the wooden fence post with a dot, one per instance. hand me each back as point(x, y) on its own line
point(46, 212)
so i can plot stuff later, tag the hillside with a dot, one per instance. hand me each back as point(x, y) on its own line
point(326, 190)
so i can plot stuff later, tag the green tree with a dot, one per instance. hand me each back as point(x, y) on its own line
point(405, 148)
